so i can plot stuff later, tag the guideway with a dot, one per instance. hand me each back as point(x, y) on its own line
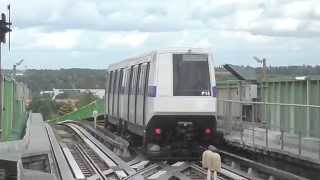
point(232, 166)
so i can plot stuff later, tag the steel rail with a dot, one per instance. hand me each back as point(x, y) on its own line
point(254, 169)
point(107, 156)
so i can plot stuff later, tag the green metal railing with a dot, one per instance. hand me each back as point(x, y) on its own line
point(7, 111)
point(83, 112)
point(13, 114)
point(293, 119)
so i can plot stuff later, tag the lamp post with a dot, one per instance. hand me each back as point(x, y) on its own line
point(15, 68)
point(14, 71)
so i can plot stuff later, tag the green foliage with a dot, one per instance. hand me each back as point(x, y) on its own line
point(66, 108)
point(85, 99)
point(42, 80)
point(45, 106)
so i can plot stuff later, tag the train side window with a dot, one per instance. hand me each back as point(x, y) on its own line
point(116, 83)
point(107, 82)
point(138, 78)
point(106, 88)
point(134, 81)
point(145, 91)
point(109, 89)
point(110, 82)
point(124, 81)
point(114, 90)
point(146, 79)
point(129, 81)
point(142, 78)
point(120, 81)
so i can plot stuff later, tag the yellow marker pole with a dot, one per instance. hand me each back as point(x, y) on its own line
point(212, 161)
point(95, 115)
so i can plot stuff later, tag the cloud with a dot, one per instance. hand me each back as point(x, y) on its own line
point(134, 39)
point(74, 30)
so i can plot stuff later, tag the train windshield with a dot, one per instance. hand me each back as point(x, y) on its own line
point(191, 75)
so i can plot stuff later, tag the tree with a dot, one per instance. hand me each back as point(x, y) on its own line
point(86, 98)
point(45, 106)
point(66, 108)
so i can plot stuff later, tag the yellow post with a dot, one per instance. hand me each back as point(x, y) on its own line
point(211, 161)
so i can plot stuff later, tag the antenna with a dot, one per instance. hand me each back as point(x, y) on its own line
point(257, 59)
point(9, 12)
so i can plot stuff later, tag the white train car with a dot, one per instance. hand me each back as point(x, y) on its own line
point(167, 96)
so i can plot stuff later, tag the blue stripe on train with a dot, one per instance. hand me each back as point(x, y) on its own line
point(214, 91)
point(152, 91)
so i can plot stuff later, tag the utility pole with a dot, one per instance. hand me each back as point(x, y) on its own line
point(5, 27)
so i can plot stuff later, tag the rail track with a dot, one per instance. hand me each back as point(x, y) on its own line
point(91, 155)
point(85, 158)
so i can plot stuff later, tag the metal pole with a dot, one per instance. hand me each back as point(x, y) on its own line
point(267, 139)
point(241, 121)
point(299, 142)
point(14, 72)
point(95, 115)
point(253, 116)
point(265, 119)
point(282, 137)
point(241, 111)
point(308, 110)
point(319, 150)
point(224, 119)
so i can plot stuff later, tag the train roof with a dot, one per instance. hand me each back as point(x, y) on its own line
point(147, 57)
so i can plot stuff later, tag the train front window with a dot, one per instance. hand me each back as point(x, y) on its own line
point(191, 75)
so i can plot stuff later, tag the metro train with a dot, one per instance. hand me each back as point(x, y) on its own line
point(166, 97)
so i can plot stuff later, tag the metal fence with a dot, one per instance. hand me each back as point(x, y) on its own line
point(13, 112)
point(277, 126)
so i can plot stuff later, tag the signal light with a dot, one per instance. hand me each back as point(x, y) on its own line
point(208, 131)
point(157, 131)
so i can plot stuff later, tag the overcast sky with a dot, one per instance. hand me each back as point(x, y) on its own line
point(94, 33)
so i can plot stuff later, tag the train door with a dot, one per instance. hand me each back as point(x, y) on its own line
point(145, 93)
point(114, 94)
point(140, 94)
point(111, 93)
point(118, 92)
point(132, 98)
point(136, 93)
point(107, 91)
point(127, 92)
point(123, 97)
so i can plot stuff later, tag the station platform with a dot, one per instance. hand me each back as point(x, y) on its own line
point(30, 157)
point(290, 145)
